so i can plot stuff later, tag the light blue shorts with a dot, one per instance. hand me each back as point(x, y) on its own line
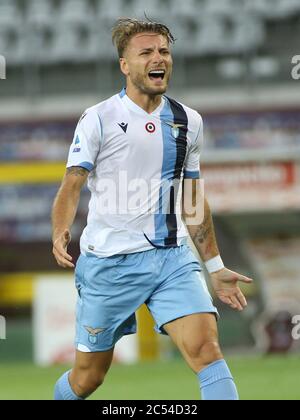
point(169, 281)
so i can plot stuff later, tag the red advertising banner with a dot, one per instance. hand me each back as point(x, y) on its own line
point(244, 187)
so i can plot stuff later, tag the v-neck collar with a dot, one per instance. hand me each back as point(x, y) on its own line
point(136, 108)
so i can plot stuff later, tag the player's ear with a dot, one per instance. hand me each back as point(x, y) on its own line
point(124, 66)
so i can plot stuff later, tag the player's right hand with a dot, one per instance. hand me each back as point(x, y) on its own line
point(60, 246)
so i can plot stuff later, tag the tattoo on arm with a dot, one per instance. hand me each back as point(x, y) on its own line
point(203, 232)
point(204, 237)
point(77, 171)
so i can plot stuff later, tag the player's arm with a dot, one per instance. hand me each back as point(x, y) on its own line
point(202, 231)
point(202, 234)
point(81, 161)
point(224, 281)
point(64, 211)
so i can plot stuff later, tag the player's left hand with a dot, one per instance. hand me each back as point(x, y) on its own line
point(225, 283)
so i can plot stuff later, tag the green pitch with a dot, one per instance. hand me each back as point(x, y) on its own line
point(257, 378)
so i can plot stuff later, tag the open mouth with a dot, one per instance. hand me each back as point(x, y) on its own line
point(157, 74)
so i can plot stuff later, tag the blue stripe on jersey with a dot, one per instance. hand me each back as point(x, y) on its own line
point(173, 160)
point(181, 122)
point(169, 159)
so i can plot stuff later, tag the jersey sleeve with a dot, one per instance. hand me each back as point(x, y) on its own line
point(192, 164)
point(87, 141)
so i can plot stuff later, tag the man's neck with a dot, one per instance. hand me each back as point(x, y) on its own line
point(149, 103)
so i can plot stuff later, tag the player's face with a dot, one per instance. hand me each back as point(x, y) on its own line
point(148, 63)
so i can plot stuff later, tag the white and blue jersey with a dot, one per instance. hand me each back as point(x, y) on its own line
point(133, 249)
point(137, 162)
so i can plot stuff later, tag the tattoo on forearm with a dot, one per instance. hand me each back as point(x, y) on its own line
point(203, 232)
point(210, 248)
point(204, 236)
point(77, 171)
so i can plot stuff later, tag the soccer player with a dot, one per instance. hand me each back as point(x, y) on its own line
point(135, 149)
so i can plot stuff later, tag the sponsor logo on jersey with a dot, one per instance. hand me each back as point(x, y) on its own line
point(124, 127)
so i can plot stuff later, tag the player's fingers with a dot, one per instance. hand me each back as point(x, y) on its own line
point(61, 251)
point(61, 261)
point(245, 279)
point(64, 256)
point(241, 298)
point(232, 305)
point(225, 300)
point(67, 256)
point(61, 245)
point(235, 303)
point(65, 264)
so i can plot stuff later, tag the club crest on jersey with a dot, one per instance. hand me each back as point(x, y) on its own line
point(175, 128)
point(150, 127)
point(93, 334)
point(175, 132)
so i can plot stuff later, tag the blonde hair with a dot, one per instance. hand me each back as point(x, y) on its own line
point(126, 28)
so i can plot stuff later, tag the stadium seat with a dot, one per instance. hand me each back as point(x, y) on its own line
point(184, 9)
point(9, 13)
point(184, 36)
point(40, 13)
point(223, 7)
point(249, 33)
point(66, 44)
point(73, 38)
point(76, 12)
point(73, 45)
point(209, 36)
point(275, 9)
point(40, 19)
point(155, 9)
point(107, 13)
point(12, 36)
point(51, 30)
point(108, 10)
point(100, 44)
point(10, 17)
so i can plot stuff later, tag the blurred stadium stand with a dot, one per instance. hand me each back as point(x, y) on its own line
point(49, 32)
point(232, 63)
point(68, 27)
